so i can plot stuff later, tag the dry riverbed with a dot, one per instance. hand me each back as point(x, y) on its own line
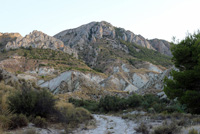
point(110, 125)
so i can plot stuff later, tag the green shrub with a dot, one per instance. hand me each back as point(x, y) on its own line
point(18, 121)
point(175, 107)
point(45, 104)
point(134, 101)
point(159, 107)
point(40, 122)
point(149, 102)
point(92, 106)
point(29, 102)
point(22, 102)
point(110, 103)
point(118, 32)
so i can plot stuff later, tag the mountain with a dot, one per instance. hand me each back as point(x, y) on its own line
point(100, 44)
point(129, 60)
point(88, 62)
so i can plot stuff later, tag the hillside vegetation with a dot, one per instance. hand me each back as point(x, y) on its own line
point(145, 54)
point(49, 58)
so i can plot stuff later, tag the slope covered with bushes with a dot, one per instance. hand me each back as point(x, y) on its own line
point(148, 102)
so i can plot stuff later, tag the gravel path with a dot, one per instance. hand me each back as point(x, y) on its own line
point(111, 125)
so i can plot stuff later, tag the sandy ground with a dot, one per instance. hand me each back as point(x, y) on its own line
point(110, 125)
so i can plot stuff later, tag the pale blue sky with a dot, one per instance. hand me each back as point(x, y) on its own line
point(150, 18)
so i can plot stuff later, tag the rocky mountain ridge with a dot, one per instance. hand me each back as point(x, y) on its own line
point(37, 39)
point(91, 32)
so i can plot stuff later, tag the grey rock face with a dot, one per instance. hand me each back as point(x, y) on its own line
point(37, 39)
point(161, 46)
point(70, 81)
point(156, 82)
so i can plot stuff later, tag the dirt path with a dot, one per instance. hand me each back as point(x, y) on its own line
point(110, 125)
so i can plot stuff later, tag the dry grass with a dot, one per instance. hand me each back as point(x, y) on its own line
point(117, 91)
point(144, 71)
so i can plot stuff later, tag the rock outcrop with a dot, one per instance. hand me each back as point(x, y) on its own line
point(161, 46)
point(70, 81)
point(156, 82)
point(8, 37)
point(129, 79)
point(37, 39)
point(7, 77)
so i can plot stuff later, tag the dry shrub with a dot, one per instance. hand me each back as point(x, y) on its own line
point(167, 129)
point(82, 114)
point(5, 91)
point(4, 122)
point(193, 131)
point(18, 121)
point(40, 122)
point(142, 129)
point(72, 114)
point(66, 109)
point(5, 114)
point(196, 120)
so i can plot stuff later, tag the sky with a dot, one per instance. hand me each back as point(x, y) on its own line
point(161, 19)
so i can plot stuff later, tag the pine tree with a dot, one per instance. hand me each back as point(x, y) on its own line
point(185, 85)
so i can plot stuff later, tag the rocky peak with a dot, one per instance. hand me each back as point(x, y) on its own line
point(38, 39)
point(7, 37)
point(91, 32)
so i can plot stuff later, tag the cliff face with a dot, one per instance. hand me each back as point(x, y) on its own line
point(37, 39)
